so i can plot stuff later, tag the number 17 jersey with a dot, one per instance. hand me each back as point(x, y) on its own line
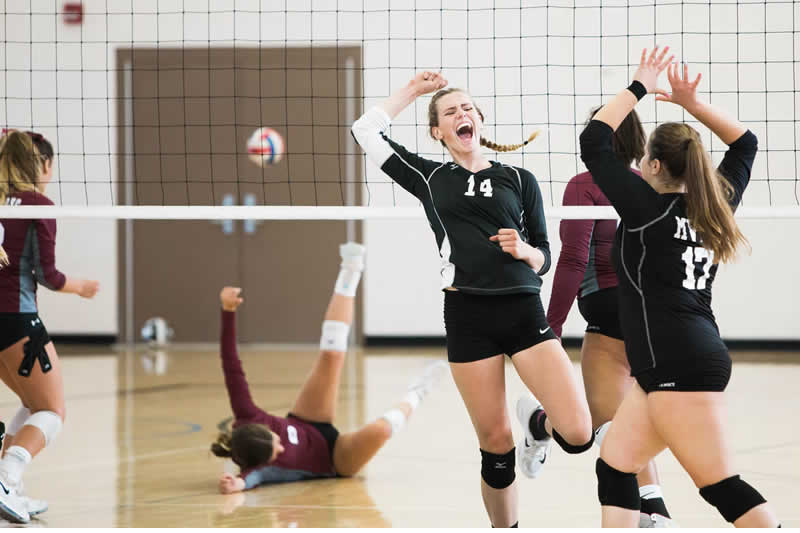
point(665, 274)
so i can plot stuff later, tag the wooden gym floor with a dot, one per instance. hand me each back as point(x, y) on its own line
point(134, 449)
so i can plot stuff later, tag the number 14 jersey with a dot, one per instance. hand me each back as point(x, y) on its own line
point(665, 274)
point(464, 209)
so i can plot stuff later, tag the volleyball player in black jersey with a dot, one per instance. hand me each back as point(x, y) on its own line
point(677, 225)
point(489, 225)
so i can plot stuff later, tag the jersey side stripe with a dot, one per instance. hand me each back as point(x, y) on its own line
point(624, 265)
point(644, 302)
point(448, 268)
point(448, 271)
point(640, 228)
point(519, 179)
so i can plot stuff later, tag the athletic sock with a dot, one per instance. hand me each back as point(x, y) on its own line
point(13, 464)
point(347, 282)
point(536, 424)
point(652, 500)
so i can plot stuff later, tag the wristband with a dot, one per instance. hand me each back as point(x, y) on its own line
point(638, 90)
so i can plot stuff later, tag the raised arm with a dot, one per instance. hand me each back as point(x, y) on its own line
point(632, 197)
point(238, 390)
point(423, 83)
point(738, 161)
point(644, 81)
point(407, 169)
point(684, 94)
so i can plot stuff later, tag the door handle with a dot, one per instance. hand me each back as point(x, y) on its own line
point(250, 225)
point(227, 225)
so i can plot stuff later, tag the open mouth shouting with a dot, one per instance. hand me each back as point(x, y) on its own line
point(465, 132)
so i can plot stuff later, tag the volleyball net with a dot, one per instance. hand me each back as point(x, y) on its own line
point(150, 105)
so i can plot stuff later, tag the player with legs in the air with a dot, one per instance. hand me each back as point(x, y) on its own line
point(304, 444)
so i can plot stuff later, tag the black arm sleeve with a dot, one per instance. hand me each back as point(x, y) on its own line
point(534, 220)
point(634, 199)
point(737, 165)
point(407, 169)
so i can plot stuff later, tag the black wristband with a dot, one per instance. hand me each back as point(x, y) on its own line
point(638, 90)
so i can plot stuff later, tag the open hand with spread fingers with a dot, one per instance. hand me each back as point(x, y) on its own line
point(650, 67)
point(684, 91)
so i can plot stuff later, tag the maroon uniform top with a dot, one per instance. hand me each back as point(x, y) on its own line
point(31, 248)
point(306, 454)
point(584, 265)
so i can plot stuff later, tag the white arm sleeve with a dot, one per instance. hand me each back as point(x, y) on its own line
point(367, 131)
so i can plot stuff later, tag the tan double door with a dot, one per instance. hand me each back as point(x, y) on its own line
point(185, 116)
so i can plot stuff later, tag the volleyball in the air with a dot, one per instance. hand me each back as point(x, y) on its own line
point(265, 147)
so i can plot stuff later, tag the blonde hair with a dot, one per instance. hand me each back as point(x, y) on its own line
point(20, 166)
point(433, 121)
point(678, 146)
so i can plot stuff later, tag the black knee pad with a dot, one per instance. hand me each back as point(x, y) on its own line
point(732, 497)
point(570, 448)
point(615, 488)
point(498, 470)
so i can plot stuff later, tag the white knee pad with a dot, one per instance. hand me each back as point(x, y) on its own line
point(48, 422)
point(23, 413)
point(334, 336)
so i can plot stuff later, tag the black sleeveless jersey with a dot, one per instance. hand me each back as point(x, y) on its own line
point(665, 274)
point(464, 209)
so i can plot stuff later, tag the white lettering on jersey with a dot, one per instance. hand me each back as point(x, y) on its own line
point(485, 187)
point(13, 200)
point(291, 432)
point(684, 231)
point(692, 256)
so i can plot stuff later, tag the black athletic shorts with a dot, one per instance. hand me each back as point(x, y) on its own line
point(481, 326)
point(329, 432)
point(708, 373)
point(601, 311)
point(15, 326)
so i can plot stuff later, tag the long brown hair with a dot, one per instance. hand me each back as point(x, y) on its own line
point(433, 121)
point(248, 445)
point(20, 166)
point(679, 148)
point(629, 139)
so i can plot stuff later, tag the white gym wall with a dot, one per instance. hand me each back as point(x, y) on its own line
point(505, 50)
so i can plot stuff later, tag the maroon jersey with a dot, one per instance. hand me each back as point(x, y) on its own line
point(306, 454)
point(31, 248)
point(584, 265)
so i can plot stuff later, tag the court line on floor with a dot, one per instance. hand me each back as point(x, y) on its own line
point(121, 460)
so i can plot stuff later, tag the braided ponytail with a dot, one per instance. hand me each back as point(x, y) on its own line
point(433, 121)
point(507, 147)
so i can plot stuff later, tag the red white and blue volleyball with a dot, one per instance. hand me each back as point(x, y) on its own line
point(265, 147)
